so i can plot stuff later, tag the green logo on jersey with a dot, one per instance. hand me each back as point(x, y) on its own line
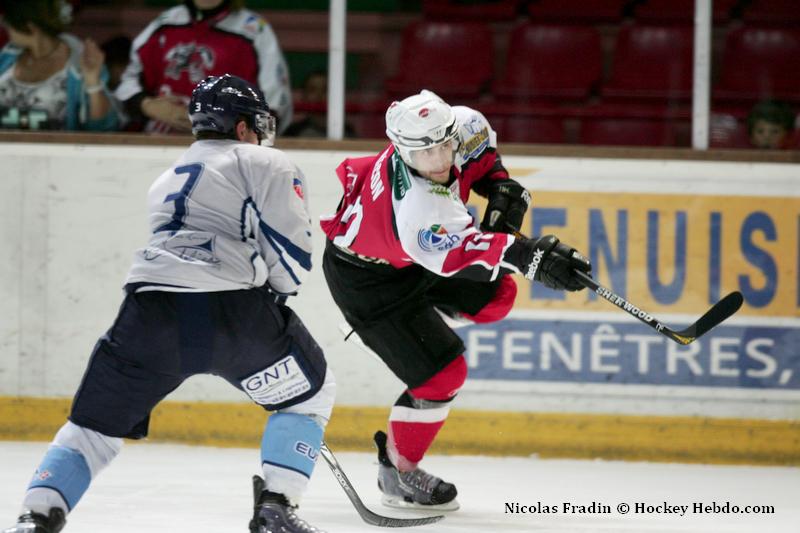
point(439, 189)
point(401, 181)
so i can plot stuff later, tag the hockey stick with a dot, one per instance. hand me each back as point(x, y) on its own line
point(719, 312)
point(368, 516)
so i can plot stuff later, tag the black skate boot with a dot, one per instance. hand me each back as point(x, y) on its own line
point(415, 489)
point(273, 514)
point(30, 522)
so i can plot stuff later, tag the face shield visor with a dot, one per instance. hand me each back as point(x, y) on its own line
point(265, 126)
point(432, 160)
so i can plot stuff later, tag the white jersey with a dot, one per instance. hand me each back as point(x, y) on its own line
point(227, 215)
point(390, 214)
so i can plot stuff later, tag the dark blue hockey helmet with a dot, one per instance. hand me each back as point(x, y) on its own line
point(219, 102)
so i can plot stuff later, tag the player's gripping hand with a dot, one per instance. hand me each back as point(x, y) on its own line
point(508, 203)
point(548, 261)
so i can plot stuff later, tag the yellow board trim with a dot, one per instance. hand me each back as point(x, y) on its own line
point(554, 435)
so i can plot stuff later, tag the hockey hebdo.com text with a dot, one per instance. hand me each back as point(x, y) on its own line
point(636, 508)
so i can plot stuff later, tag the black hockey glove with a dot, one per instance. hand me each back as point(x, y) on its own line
point(508, 203)
point(548, 261)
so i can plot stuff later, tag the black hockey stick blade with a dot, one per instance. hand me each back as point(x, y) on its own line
point(714, 316)
point(368, 516)
point(719, 312)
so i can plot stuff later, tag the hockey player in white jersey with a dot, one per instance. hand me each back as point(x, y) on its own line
point(231, 239)
point(404, 256)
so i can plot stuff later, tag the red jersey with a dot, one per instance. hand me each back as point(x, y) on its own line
point(390, 214)
point(174, 53)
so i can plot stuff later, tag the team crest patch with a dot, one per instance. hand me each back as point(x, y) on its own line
point(297, 185)
point(192, 58)
point(193, 247)
point(254, 24)
point(436, 239)
point(42, 475)
point(478, 139)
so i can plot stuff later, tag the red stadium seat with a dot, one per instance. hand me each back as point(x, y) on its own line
point(528, 129)
point(680, 11)
point(651, 63)
point(772, 12)
point(479, 10)
point(795, 140)
point(627, 132)
point(453, 59)
point(549, 61)
point(760, 63)
point(576, 11)
point(366, 116)
point(368, 125)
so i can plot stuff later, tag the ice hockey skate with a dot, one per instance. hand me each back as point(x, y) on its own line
point(416, 489)
point(273, 514)
point(30, 522)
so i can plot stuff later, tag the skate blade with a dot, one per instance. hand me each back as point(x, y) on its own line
point(400, 503)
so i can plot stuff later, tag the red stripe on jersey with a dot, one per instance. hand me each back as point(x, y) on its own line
point(485, 248)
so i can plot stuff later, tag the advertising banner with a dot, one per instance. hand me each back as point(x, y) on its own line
point(673, 255)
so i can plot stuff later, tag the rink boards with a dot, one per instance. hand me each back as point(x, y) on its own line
point(671, 236)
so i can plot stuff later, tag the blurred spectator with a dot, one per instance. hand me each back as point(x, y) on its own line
point(194, 40)
point(770, 125)
point(315, 122)
point(50, 79)
point(117, 50)
point(725, 131)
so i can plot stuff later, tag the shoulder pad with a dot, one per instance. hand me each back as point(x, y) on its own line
point(474, 131)
point(244, 22)
point(277, 160)
point(175, 15)
point(178, 15)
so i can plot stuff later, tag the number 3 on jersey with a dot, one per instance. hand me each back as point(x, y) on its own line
point(180, 197)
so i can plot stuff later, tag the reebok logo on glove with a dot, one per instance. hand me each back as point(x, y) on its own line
point(534, 266)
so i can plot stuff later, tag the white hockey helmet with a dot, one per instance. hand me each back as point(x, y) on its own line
point(419, 123)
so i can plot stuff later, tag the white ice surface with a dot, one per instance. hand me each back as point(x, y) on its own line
point(184, 489)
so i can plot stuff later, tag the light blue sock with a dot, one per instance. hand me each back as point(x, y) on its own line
point(291, 441)
point(65, 471)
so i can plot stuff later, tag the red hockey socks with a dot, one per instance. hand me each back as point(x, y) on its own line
point(419, 414)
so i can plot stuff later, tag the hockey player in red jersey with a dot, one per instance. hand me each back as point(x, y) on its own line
point(404, 257)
